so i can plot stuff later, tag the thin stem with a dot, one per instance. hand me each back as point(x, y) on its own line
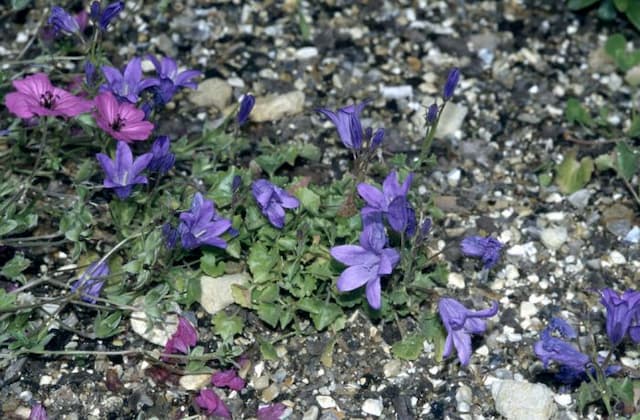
point(631, 189)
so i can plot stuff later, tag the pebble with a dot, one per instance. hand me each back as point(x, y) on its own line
point(616, 258)
point(325, 401)
point(373, 406)
point(523, 400)
point(563, 399)
point(159, 333)
point(633, 236)
point(632, 76)
point(215, 292)
point(554, 237)
point(396, 92)
point(212, 92)
point(270, 393)
point(312, 413)
point(275, 107)
point(46, 380)
point(194, 382)
point(261, 383)
point(456, 280)
point(464, 398)
point(453, 177)
point(580, 198)
point(527, 309)
point(306, 53)
point(392, 368)
point(451, 119)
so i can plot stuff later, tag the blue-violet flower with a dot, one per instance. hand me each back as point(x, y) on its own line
point(91, 281)
point(123, 172)
point(623, 313)
point(246, 106)
point(127, 86)
point(163, 159)
point(63, 21)
point(169, 80)
point(487, 248)
point(201, 225)
point(451, 83)
point(347, 121)
point(272, 201)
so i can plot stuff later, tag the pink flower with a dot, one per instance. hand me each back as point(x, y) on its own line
point(122, 121)
point(185, 337)
point(228, 378)
point(36, 96)
point(211, 403)
point(271, 412)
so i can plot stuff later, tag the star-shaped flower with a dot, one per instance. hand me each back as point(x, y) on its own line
point(170, 80)
point(123, 172)
point(272, 201)
point(201, 225)
point(122, 121)
point(127, 85)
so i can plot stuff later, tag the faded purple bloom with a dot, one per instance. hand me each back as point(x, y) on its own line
point(451, 83)
point(126, 86)
point(432, 114)
point(123, 172)
point(376, 139)
point(170, 235)
point(460, 323)
point(622, 312)
point(36, 96)
point(391, 202)
point(104, 17)
point(201, 225)
point(91, 281)
point(228, 378)
point(122, 121)
point(367, 263)
point(89, 73)
point(271, 412)
point(272, 201)
point(169, 80)
point(236, 183)
point(246, 106)
point(488, 249)
point(211, 404)
point(183, 339)
point(163, 159)
point(347, 121)
point(63, 21)
point(38, 412)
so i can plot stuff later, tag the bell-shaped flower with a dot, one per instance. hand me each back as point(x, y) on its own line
point(390, 202)
point(347, 122)
point(460, 323)
point(126, 86)
point(163, 159)
point(486, 248)
point(91, 281)
point(246, 106)
point(272, 201)
point(122, 173)
point(201, 225)
point(623, 314)
point(367, 263)
point(170, 80)
point(63, 21)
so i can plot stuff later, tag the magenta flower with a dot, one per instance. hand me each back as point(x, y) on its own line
point(37, 97)
point(367, 263)
point(228, 378)
point(122, 173)
point(122, 121)
point(38, 412)
point(271, 412)
point(460, 323)
point(211, 404)
point(184, 338)
point(272, 201)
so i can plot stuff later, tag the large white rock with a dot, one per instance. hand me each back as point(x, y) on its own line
point(212, 92)
point(157, 333)
point(517, 400)
point(215, 292)
point(275, 107)
point(451, 119)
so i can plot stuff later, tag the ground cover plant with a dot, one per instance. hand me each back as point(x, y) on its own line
point(145, 220)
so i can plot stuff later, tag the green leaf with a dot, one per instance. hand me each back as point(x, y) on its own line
point(241, 296)
point(607, 11)
point(580, 4)
point(7, 226)
point(633, 14)
point(572, 175)
point(626, 160)
point(227, 326)
point(84, 172)
point(576, 113)
point(587, 394)
point(409, 348)
point(7, 300)
point(107, 326)
point(269, 313)
point(622, 390)
point(322, 313)
point(605, 162)
point(209, 266)
point(196, 365)
point(615, 45)
point(267, 350)
point(621, 5)
point(261, 262)
point(431, 328)
point(634, 128)
point(309, 200)
point(15, 266)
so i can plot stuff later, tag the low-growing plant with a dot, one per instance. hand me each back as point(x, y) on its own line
point(609, 9)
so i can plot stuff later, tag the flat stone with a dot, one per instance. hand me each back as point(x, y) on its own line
point(312, 413)
point(527, 309)
point(373, 406)
point(212, 92)
point(276, 107)
point(306, 53)
point(451, 119)
point(517, 400)
point(215, 292)
point(632, 76)
point(392, 368)
point(270, 393)
point(157, 333)
point(580, 198)
point(325, 401)
point(456, 280)
point(396, 92)
point(554, 237)
point(194, 382)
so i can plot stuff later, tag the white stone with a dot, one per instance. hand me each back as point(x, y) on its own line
point(633, 76)
point(522, 400)
point(194, 382)
point(563, 399)
point(276, 107)
point(453, 177)
point(306, 53)
point(451, 119)
point(212, 92)
point(527, 310)
point(616, 258)
point(157, 333)
point(523, 250)
point(215, 292)
point(396, 92)
point(633, 236)
point(46, 380)
point(392, 368)
point(580, 198)
point(554, 237)
point(456, 280)
point(325, 401)
point(311, 414)
point(372, 406)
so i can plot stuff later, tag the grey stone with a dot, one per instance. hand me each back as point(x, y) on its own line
point(554, 237)
point(312, 413)
point(212, 92)
point(632, 76)
point(215, 292)
point(276, 107)
point(580, 198)
point(523, 400)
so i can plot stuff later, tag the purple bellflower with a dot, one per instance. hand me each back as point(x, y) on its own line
point(432, 114)
point(126, 86)
point(246, 106)
point(367, 263)
point(460, 323)
point(91, 281)
point(272, 201)
point(211, 404)
point(376, 139)
point(169, 80)
point(163, 159)
point(38, 412)
point(201, 225)
point(391, 202)
point(488, 249)
point(89, 73)
point(347, 122)
point(228, 378)
point(104, 17)
point(451, 84)
point(271, 412)
point(185, 337)
point(123, 172)
point(63, 21)
point(170, 235)
point(623, 314)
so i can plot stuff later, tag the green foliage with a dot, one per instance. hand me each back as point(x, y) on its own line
point(608, 9)
point(616, 48)
point(107, 325)
point(572, 175)
point(13, 268)
point(227, 326)
point(409, 348)
point(626, 160)
point(576, 113)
